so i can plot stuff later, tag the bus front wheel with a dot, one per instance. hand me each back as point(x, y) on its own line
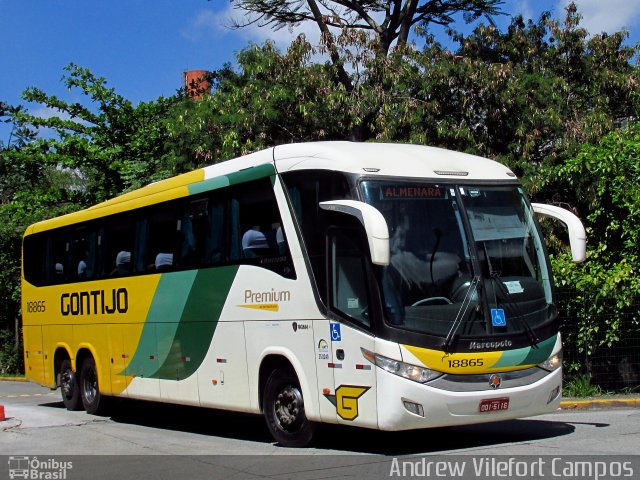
point(69, 387)
point(94, 402)
point(284, 410)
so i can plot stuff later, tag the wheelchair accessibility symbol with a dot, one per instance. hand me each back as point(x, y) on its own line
point(498, 318)
point(336, 336)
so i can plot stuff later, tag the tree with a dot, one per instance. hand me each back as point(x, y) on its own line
point(29, 191)
point(388, 21)
point(110, 143)
point(272, 98)
point(78, 156)
point(606, 179)
point(529, 96)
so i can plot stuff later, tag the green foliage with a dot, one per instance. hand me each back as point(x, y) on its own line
point(108, 144)
point(364, 18)
point(11, 359)
point(528, 96)
point(605, 179)
point(274, 98)
point(581, 386)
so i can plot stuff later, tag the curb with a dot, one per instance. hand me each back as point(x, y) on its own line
point(13, 379)
point(600, 404)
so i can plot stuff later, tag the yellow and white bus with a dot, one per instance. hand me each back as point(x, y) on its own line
point(378, 285)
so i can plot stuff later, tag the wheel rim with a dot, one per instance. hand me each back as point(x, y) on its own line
point(66, 383)
point(90, 385)
point(288, 408)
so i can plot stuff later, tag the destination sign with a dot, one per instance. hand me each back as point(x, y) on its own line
point(412, 191)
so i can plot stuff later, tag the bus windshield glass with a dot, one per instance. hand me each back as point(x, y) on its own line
point(461, 255)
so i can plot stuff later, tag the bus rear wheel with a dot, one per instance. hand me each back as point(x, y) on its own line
point(284, 410)
point(94, 402)
point(69, 387)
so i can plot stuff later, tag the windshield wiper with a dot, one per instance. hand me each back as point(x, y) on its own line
point(513, 307)
point(462, 313)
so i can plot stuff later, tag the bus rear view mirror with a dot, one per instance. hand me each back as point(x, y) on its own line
point(577, 235)
point(374, 224)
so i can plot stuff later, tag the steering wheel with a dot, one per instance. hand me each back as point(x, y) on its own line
point(432, 299)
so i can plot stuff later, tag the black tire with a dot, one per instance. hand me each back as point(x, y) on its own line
point(94, 402)
point(283, 408)
point(69, 387)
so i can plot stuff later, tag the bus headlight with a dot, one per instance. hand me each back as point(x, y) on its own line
point(402, 369)
point(553, 362)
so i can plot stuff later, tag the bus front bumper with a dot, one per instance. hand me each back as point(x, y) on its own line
point(404, 404)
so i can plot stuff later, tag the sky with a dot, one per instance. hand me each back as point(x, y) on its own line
point(142, 47)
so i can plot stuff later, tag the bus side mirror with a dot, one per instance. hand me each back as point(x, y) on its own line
point(375, 226)
point(577, 235)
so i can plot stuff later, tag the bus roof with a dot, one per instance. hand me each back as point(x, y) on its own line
point(383, 159)
point(388, 159)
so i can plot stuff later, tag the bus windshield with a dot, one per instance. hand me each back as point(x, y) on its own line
point(467, 255)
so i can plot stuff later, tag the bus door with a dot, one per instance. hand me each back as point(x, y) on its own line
point(33, 352)
point(118, 359)
point(354, 394)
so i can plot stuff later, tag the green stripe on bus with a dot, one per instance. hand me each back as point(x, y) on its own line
point(208, 185)
point(160, 326)
point(249, 174)
point(527, 355)
point(198, 323)
point(540, 352)
point(510, 358)
point(253, 173)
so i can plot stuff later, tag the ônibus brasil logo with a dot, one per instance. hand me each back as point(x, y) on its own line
point(34, 468)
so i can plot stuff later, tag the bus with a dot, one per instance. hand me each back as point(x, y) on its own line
point(384, 286)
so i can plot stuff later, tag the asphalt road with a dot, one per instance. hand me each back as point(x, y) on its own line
point(237, 446)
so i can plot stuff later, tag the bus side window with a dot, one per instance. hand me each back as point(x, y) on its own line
point(202, 233)
point(254, 214)
point(59, 271)
point(349, 291)
point(84, 253)
point(44, 258)
point(37, 259)
point(256, 236)
point(119, 242)
point(306, 189)
point(162, 237)
point(214, 234)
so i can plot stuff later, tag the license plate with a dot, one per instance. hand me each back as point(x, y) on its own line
point(494, 405)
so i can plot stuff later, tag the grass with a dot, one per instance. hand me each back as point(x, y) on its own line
point(581, 386)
